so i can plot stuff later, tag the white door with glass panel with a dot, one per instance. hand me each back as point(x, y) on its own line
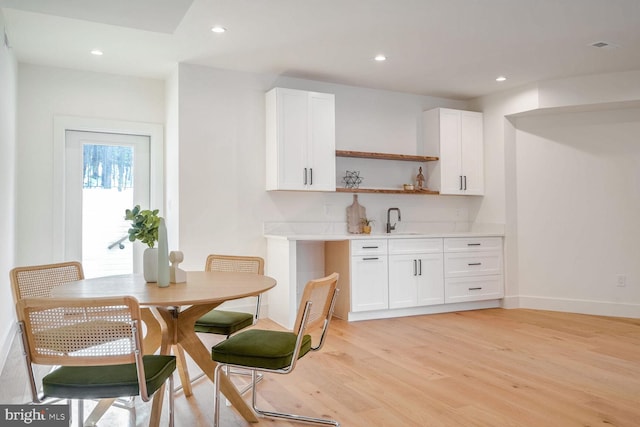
point(105, 174)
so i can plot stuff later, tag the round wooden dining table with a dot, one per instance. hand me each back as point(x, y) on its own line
point(170, 314)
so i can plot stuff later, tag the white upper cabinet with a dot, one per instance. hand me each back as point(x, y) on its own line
point(456, 137)
point(300, 151)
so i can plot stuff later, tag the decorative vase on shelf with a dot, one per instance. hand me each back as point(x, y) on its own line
point(150, 265)
point(163, 255)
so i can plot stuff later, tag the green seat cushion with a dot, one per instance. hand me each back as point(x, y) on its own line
point(257, 348)
point(101, 382)
point(222, 322)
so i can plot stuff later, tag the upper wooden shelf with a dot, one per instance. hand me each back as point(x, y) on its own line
point(424, 191)
point(385, 156)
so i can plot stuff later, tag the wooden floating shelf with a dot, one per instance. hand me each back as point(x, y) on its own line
point(385, 156)
point(385, 191)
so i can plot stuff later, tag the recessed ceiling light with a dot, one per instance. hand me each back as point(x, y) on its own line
point(380, 58)
point(501, 78)
point(96, 52)
point(218, 29)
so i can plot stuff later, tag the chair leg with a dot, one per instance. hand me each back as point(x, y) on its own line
point(268, 414)
point(216, 395)
point(171, 402)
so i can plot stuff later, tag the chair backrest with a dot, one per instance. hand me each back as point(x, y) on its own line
point(241, 264)
point(38, 280)
point(316, 306)
point(80, 332)
point(83, 332)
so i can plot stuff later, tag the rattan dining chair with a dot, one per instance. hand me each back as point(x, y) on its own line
point(36, 281)
point(227, 322)
point(278, 351)
point(77, 336)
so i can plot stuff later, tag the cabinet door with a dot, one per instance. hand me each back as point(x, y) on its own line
point(300, 151)
point(292, 134)
point(403, 281)
point(430, 283)
point(322, 142)
point(472, 158)
point(369, 285)
point(451, 180)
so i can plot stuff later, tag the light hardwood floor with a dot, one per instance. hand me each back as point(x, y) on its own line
point(478, 368)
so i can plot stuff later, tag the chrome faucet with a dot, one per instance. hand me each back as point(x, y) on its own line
point(389, 226)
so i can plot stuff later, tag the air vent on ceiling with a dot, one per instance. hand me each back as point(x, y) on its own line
point(604, 45)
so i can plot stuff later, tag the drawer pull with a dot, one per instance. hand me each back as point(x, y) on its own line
point(475, 289)
point(474, 244)
point(370, 259)
point(369, 247)
point(474, 263)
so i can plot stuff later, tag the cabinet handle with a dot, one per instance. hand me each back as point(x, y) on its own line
point(415, 267)
point(475, 289)
point(460, 183)
point(305, 176)
point(475, 263)
point(311, 176)
point(419, 267)
point(465, 182)
point(370, 259)
point(369, 247)
point(474, 244)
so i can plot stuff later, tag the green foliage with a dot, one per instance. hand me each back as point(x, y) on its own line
point(144, 225)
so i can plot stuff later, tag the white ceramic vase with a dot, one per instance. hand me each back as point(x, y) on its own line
point(150, 265)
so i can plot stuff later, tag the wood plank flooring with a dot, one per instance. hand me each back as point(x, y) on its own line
point(490, 367)
point(477, 368)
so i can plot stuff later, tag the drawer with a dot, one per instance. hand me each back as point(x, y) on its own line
point(473, 289)
point(367, 247)
point(414, 246)
point(466, 244)
point(462, 264)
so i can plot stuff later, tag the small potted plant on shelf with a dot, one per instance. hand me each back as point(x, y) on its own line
point(366, 225)
point(144, 227)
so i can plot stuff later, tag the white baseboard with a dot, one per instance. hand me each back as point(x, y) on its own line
point(598, 308)
point(415, 311)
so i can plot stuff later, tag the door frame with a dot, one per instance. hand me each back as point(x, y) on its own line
point(61, 124)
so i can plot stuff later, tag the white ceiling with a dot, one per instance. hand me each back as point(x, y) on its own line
point(449, 48)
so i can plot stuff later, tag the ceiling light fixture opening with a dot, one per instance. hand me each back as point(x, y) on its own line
point(380, 58)
point(218, 29)
point(501, 78)
point(96, 52)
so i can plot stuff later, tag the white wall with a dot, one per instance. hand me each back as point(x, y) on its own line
point(223, 204)
point(578, 180)
point(8, 109)
point(565, 246)
point(46, 92)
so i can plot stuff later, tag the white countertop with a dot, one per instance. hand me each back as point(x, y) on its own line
point(392, 235)
point(337, 231)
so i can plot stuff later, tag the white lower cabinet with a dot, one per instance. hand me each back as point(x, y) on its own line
point(415, 273)
point(390, 277)
point(473, 269)
point(369, 275)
